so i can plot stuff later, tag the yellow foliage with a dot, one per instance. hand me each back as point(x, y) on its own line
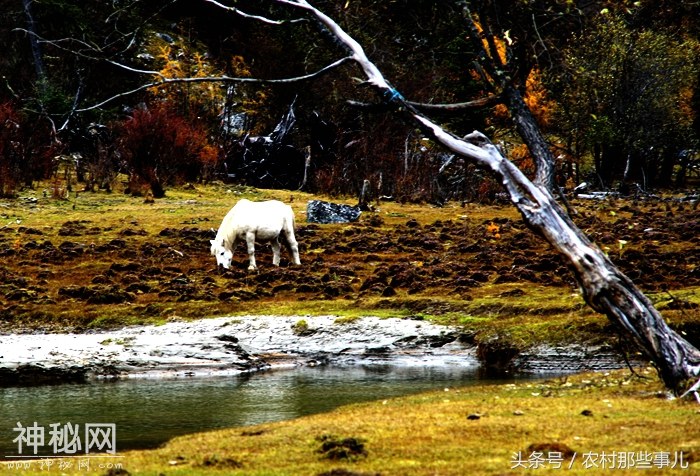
point(500, 44)
point(536, 98)
point(181, 60)
point(239, 66)
point(685, 105)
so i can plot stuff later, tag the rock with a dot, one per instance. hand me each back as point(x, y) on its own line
point(318, 211)
point(223, 346)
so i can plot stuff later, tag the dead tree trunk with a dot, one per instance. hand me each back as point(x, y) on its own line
point(33, 41)
point(363, 201)
point(605, 288)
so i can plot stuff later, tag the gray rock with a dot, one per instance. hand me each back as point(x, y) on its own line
point(318, 211)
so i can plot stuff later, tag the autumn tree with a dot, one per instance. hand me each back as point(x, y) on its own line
point(25, 154)
point(626, 99)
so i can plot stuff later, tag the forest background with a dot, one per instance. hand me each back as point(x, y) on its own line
point(614, 87)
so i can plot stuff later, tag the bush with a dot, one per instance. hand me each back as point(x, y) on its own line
point(27, 149)
point(162, 148)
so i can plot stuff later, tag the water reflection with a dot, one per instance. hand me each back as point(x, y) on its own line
point(149, 412)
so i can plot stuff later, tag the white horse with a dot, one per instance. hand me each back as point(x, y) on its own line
point(251, 221)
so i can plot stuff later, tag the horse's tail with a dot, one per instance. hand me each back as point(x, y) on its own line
point(290, 228)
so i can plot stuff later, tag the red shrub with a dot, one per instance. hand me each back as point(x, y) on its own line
point(162, 148)
point(27, 149)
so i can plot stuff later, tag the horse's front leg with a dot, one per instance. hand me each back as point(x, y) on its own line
point(275, 243)
point(250, 242)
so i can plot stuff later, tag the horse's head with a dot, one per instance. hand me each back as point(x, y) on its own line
point(223, 256)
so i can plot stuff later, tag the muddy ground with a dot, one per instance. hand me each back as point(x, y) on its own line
point(90, 272)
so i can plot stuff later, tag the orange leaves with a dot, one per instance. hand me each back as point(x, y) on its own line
point(520, 156)
point(500, 112)
point(499, 44)
point(493, 230)
point(536, 99)
point(208, 154)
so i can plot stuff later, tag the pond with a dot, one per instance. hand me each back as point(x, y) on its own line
point(148, 412)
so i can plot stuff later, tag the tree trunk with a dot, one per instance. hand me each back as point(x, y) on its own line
point(684, 162)
point(669, 158)
point(604, 287)
point(526, 125)
point(610, 158)
point(33, 41)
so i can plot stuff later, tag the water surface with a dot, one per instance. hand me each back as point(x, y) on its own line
point(148, 412)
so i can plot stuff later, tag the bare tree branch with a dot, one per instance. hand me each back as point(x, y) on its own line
point(74, 106)
point(252, 17)
point(143, 87)
point(58, 44)
point(479, 103)
point(486, 101)
point(213, 79)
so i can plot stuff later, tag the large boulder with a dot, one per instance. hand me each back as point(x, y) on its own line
point(318, 211)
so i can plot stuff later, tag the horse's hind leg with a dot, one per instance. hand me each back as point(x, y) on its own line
point(250, 242)
point(292, 246)
point(275, 251)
